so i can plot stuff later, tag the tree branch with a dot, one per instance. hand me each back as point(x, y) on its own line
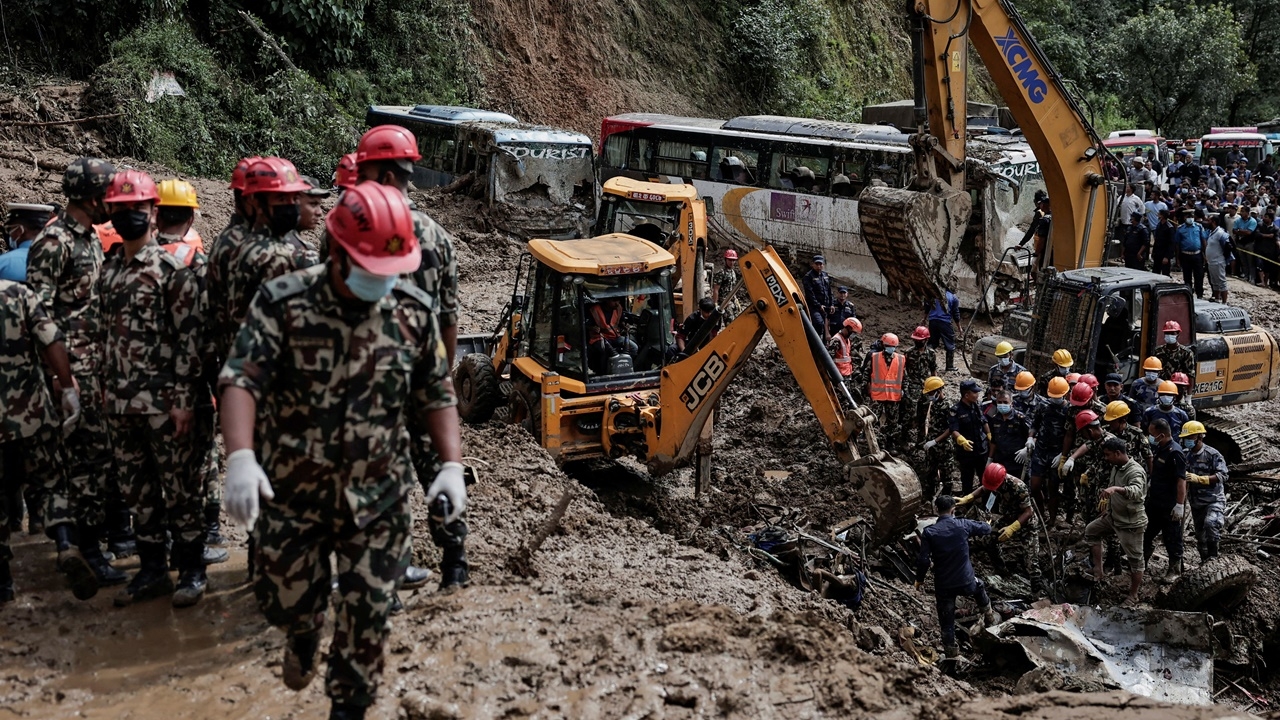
point(270, 40)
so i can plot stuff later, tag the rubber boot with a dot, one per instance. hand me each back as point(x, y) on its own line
point(35, 519)
point(80, 576)
point(346, 712)
point(91, 549)
point(454, 569)
point(415, 577)
point(1213, 549)
point(1173, 572)
point(152, 579)
point(299, 667)
point(6, 583)
point(121, 539)
point(213, 536)
point(951, 651)
point(15, 508)
point(192, 579)
point(951, 361)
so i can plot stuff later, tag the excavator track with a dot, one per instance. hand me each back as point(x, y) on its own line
point(1237, 442)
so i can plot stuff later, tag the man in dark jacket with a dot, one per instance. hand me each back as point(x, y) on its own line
point(818, 295)
point(946, 544)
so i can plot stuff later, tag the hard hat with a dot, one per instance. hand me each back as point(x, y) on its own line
point(920, 333)
point(374, 224)
point(889, 340)
point(241, 169)
point(131, 186)
point(1192, 427)
point(1058, 387)
point(87, 178)
point(1024, 381)
point(1081, 395)
point(931, 383)
point(1152, 364)
point(346, 175)
point(1062, 358)
point(1167, 388)
point(273, 175)
point(177, 193)
point(1172, 327)
point(1004, 347)
point(1180, 379)
point(853, 324)
point(730, 254)
point(1091, 380)
point(1073, 378)
point(993, 477)
point(388, 142)
point(1085, 417)
point(1116, 409)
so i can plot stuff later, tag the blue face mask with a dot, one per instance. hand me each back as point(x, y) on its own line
point(1153, 439)
point(1166, 400)
point(367, 286)
point(1006, 361)
point(890, 350)
point(1152, 377)
point(1004, 408)
point(1189, 443)
point(1170, 339)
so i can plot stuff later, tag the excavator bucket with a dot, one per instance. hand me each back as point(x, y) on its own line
point(915, 236)
point(891, 490)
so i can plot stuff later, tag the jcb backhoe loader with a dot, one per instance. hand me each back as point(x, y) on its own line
point(585, 395)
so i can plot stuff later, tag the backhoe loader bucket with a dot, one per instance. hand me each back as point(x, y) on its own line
point(891, 489)
point(915, 236)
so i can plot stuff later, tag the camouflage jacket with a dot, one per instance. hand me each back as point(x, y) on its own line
point(261, 257)
point(1135, 439)
point(63, 267)
point(1029, 404)
point(998, 375)
point(220, 255)
point(1092, 463)
point(1177, 358)
point(25, 403)
point(921, 363)
point(337, 383)
point(438, 274)
point(937, 420)
point(1069, 425)
point(1012, 498)
point(725, 279)
point(152, 315)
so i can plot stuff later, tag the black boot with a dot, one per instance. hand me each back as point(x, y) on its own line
point(35, 519)
point(80, 576)
point(121, 539)
point(192, 579)
point(346, 712)
point(91, 549)
point(299, 666)
point(6, 583)
point(152, 579)
point(454, 569)
point(951, 361)
point(415, 577)
point(1211, 549)
point(213, 536)
point(15, 508)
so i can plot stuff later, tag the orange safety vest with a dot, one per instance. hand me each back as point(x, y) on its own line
point(110, 238)
point(886, 378)
point(844, 360)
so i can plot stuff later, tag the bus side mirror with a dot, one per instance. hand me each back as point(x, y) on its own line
point(710, 203)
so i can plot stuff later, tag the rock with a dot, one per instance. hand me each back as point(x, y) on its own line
point(418, 706)
point(874, 639)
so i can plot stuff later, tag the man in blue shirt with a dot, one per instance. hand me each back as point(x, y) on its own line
point(946, 544)
point(944, 315)
point(22, 223)
point(1189, 239)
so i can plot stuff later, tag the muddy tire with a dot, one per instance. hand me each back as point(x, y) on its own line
point(476, 383)
point(1222, 583)
point(525, 403)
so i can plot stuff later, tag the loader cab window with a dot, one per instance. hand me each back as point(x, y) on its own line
point(652, 221)
point(1173, 305)
point(626, 321)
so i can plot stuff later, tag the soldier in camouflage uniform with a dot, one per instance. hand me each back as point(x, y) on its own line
point(150, 307)
point(1025, 398)
point(1082, 398)
point(63, 268)
point(1183, 383)
point(939, 460)
point(220, 254)
point(1176, 358)
point(332, 362)
point(1085, 465)
point(921, 364)
point(1207, 476)
point(1062, 362)
point(30, 421)
point(723, 284)
point(385, 156)
point(1014, 515)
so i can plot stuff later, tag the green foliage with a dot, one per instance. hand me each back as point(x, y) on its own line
point(776, 44)
point(321, 32)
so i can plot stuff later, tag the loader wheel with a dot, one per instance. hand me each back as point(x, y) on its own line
point(476, 383)
point(526, 409)
point(1222, 583)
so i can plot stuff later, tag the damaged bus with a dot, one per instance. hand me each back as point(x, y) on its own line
point(536, 181)
point(794, 183)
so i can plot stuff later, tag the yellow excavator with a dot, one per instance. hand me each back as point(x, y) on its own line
point(585, 359)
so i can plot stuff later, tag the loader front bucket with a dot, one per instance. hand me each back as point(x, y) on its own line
point(891, 489)
point(915, 236)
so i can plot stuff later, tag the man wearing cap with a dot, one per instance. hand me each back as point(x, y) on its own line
point(22, 223)
point(968, 427)
point(335, 474)
point(1189, 239)
point(945, 545)
point(310, 207)
point(723, 284)
point(1166, 502)
point(1113, 390)
point(843, 309)
point(1206, 488)
point(1121, 512)
point(817, 294)
point(1005, 370)
point(943, 315)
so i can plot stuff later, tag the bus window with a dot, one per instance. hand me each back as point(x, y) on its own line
point(801, 173)
point(735, 165)
point(682, 159)
point(615, 151)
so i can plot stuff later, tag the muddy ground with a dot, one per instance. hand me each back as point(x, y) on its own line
point(640, 607)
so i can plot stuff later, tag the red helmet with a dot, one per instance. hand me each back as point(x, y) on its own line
point(374, 224)
point(1081, 394)
point(387, 142)
point(1180, 379)
point(993, 477)
point(853, 324)
point(920, 333)
point(273, 175)
point(1172, 326)
point(889, 340)
point(241, 169)
point(1073, 378)
point(1090, 379)
point(730, 254)
point(1085, 417)
point(346, 175)
point(131, 186)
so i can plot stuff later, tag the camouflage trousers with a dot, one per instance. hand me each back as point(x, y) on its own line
point(294, 537)
point(206, 446)
point(890, 420)
point(1025, 542)
point(38, 461)
point(939, 468)
point(91, 473)
point(159, 478)
point(1208, 519)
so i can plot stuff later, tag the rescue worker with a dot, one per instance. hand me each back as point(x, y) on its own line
point(151, 313)
point(885, 385)
point(1122, 511)
point(310, 205)
point(1145, 390)
point(346, 174)
point(1004, 371)
point(841, 347)
point(63, 268)
point(939, 461)
point(1085, 458)
point(691, 326)
point(243, 219)
point(1119, 419)
point(1044, 445)
point(723, 284)
point(1062, 362)
point(1183, 384)
point(1025, 398)
point(317, 491)
point(32, 427)
point(921, 364)
point(1206, 488)
point(945, 545)
point(1082, 399)
point(1166, 408)
point(943, 315)
point(22, 224)
point(1166, 503)
point(817, 294)
point(843, 309)
point(969, 429)
point(1113, 389)
point(1175, 357)
point(1009, 432)
point(1007, 498)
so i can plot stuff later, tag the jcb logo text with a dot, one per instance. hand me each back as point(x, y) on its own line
point(712, 370)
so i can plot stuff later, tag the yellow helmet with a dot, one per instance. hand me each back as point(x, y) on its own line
point(932, 383)
point(1192, 427)
point(1152, 363)
point(1062, 358)
point(1116, 409)
point(177, 193)
point(1167, 387)
point(1058, 387)
point(1004, 347)
point(1024, 381)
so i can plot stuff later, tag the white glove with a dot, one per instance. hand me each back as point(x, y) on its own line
point(1179, 511)
point(449, 482)
point(1066, 467)
point(246, 480)
point(70, 408)
point(1021, 456)
point(1031, 444)
point(930, 444)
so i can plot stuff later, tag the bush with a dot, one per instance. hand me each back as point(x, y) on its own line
point(777, 42)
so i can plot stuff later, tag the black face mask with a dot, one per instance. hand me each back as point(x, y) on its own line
point(284, 218)
point(131, 224)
